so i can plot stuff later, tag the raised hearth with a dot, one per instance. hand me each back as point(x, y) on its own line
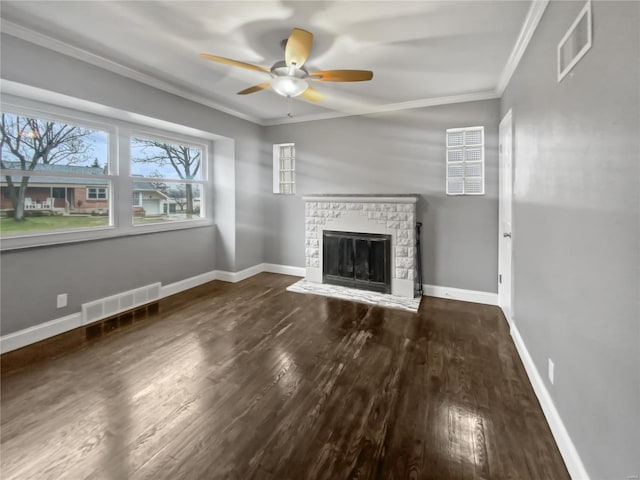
point(392, 215)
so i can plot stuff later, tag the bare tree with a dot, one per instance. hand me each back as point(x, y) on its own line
point(29, 142)
point(186, 161)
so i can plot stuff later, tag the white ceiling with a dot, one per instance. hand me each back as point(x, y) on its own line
point(419, 51)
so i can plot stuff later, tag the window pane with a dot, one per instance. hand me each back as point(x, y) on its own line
point(60, 147)
point(157, 159)
point(455, 186)
point(454, 155)
point(473, 154)
point(473, 137)
point(47, 204)
point(454, 138)
point(473, 169)
point(455, 171)
point(166, 202)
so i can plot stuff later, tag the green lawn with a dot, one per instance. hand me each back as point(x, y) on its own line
point(8, 226)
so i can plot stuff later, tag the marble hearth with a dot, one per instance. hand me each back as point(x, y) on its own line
point(387, 214)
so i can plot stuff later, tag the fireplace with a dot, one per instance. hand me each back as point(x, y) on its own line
point(372, 216)
point(357, 260)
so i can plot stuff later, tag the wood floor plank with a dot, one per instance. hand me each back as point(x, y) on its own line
point(247, 380)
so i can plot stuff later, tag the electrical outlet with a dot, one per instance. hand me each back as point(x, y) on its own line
point(551, 368)
point(62, 300)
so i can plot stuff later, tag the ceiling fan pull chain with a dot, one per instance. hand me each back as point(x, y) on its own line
point(290, 108)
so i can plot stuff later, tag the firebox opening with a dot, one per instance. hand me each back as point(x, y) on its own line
point(357, 260)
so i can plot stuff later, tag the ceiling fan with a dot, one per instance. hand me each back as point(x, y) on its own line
point(289, 78)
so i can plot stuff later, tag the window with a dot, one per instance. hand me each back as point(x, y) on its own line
point(77, 175)
point(48, 164)
point(284, 168)
point(168, 180)
point(465, 161)
point(96, 193)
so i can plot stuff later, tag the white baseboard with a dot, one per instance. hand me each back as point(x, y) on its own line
point(560, 434)
point(474, 296)
point(284, 269)
point(235, 277)
point(187, 283)
point(34, 334)
point(57, 326)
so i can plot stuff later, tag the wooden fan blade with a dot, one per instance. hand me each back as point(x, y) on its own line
point(342, 75)
point(298, 47)
point(234, 63)
point(312, 94)
point(255, 88)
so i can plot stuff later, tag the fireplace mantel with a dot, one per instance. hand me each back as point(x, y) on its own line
point(363, 198)
point(390, 214)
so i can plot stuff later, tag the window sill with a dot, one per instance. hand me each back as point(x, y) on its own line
point(95, 234)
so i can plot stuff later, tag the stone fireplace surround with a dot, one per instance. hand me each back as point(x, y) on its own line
point(390, 214)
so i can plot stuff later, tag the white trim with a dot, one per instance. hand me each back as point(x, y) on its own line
point(32, 98)
point(36, 333)
point(389, 107)
point(531, 22)
point(475, 296)
point(37, 38)
point(567, 449)
point(284, 269)
point(356, 199)
point(50, 43)
point(186, 284)
point(235, 277)
point(534, 16)
point(586, 10)
point(39, 332)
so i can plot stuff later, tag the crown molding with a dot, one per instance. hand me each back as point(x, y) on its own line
point(69, 50)
point(529, 26)
point(390, 107)
point(534, 15)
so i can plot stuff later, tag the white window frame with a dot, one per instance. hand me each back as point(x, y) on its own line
point(462, 163)
point(117, 178)
point(97, 193)
point(202, 182)
point(279, 170)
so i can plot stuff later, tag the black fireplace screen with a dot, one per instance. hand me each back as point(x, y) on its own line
point(359, 260)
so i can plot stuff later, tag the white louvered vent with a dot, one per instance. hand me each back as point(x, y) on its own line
point(108, 306)
point(465, 161)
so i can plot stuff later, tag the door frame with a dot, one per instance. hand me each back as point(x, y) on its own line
point(507, 308)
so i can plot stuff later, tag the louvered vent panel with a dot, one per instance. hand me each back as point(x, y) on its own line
point(108, 306)
point(111, 306)
point(92, 312)
point(126, 301)
point(153, 292)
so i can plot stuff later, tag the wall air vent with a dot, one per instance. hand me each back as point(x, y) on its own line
point(576, 42)
point(109, 306)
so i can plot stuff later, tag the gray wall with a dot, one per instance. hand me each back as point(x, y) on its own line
point(34, 273)
point(400, 152)
point(576, 229)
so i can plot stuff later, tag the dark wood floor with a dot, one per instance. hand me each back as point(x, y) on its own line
point(250, 381)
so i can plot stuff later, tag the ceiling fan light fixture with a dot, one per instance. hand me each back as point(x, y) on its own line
point(288, 85)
